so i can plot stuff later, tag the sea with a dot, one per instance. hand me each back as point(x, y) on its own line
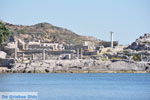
point(69, 86)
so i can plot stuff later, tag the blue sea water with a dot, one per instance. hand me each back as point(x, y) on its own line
point(79, 86)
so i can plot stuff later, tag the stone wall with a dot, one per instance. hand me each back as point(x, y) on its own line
point(108, 44)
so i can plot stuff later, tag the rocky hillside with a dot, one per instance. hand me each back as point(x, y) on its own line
point(142, 43)
point(48, 33)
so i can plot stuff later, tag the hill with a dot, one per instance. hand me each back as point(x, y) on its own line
point(48, 33)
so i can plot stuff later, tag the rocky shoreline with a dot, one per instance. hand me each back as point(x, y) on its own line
point(77, 66)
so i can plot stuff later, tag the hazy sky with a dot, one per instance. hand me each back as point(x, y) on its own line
point(127, 18)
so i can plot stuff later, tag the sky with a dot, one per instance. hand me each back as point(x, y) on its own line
point(128, 19)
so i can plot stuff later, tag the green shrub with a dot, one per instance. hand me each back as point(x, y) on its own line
point(104, 59)
point(116, 58)
point(21, 31)
point(136, 57)
point(4, 33)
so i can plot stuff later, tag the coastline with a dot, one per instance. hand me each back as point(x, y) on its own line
point(77, 66)
point(7, 71)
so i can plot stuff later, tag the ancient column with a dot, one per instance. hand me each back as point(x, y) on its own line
point(23, 46)
point(69, 56)
point(15, 55)
point(141, 57)
point(111, 39)
point(43, 54)
point(81, 53)
point(32, 56)
point(16, 43)
point(77, 53)
point(22, 55)
point(26, 46)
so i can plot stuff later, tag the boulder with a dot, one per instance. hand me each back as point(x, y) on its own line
point(2, 55)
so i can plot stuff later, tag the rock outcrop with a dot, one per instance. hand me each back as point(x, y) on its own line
point(78, 66)
point(142, 43)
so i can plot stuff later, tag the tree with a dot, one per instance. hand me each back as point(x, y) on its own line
point(4, 33)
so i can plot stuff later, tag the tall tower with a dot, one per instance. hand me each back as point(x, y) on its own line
point(111, 39)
